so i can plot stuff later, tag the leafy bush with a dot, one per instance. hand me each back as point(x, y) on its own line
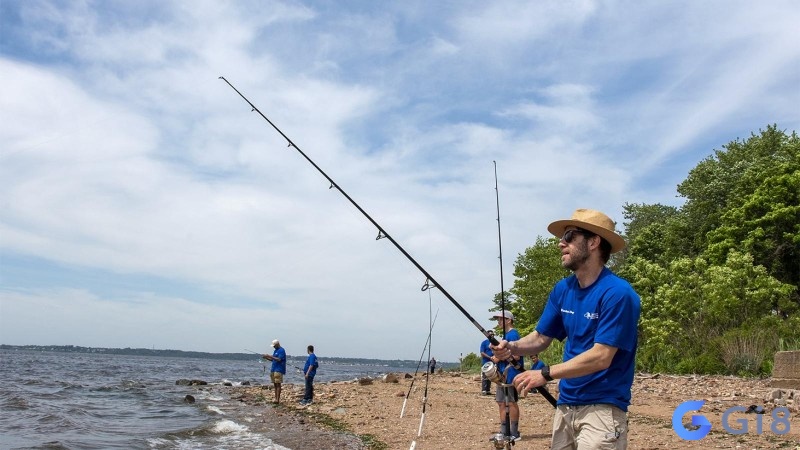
point(471, 363)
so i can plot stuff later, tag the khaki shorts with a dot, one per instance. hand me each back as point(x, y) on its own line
point(276, 377)
point(590, 427)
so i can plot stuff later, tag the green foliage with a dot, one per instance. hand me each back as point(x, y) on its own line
point(650, 230)
point(471, 363)
point(535, 271)
point(718, 277)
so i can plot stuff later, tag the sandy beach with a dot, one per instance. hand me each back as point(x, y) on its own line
point(351, 415)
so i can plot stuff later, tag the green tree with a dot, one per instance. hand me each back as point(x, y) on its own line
point(690, 307)
point(653, 232)
point(727, 179)
point(766, 224)
point(536, 271)
point(471, 363)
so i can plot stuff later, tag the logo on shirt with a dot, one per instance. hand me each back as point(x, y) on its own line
point(567, 311)
point(592, 316)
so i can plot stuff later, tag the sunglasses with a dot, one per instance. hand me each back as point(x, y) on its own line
point(569, 235)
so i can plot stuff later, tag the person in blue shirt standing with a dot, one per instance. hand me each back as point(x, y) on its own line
point(507, 395)
point(597, 313)
point(278, 369)
point(486, 356)
point(310, 370)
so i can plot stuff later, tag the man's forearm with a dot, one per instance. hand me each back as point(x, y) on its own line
point(532, 344)
point(593, 360)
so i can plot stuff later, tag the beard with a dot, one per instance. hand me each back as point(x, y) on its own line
point(578, 256)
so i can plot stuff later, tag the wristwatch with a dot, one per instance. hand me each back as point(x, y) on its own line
point(546, 373)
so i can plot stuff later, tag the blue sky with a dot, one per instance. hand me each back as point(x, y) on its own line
point(144, 205)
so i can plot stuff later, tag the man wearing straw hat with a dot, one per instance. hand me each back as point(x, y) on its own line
point(597, 312)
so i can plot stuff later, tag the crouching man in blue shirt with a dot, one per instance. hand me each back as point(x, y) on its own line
point(598, 313)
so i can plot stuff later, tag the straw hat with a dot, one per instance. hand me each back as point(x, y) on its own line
point(590, 220)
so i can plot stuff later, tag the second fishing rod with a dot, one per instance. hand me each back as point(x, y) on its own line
point(430, 281)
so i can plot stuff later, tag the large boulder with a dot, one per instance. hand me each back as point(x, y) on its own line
point(786, 371)
point(185, 382)
point(390, 378)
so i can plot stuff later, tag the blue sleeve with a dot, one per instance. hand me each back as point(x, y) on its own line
point(539, 364)
point(619, 317)
point(551, 324)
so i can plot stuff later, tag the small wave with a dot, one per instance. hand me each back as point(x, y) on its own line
point(132, 384)
point(16, 403)
point(214, 409)
point(227, 427)
point(205, 395)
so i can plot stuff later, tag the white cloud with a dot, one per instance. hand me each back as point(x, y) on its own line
point(123, 156)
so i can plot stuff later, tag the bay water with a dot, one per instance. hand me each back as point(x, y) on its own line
point(58, 400)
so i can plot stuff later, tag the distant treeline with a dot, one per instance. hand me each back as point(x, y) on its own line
point(203, 355)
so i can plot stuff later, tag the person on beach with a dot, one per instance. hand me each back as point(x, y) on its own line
point(432, 364)
point(278, 370)
point(486, 356)
point(506, 395)
point(597, 313)
point(310, 371)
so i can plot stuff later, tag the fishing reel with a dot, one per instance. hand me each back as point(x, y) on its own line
point(489, 370)
point(500, 441)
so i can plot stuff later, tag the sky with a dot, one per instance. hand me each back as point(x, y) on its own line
point(144, 205)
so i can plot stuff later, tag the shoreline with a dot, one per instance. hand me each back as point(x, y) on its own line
point(351, 415)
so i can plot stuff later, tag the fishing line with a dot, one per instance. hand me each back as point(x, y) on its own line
point(428, 372)
point(430, 282)
point(260, 360)
point(402, 411)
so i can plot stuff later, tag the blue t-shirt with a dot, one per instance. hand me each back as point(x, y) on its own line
point(279, 363)
point(607, 312)
point(311, 362)
point(485, 349)
point(537, 365)
point(511, 335)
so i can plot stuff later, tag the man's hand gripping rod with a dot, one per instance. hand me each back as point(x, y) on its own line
point(430, 282)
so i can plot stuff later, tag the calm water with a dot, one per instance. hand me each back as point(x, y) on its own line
point(97, 401)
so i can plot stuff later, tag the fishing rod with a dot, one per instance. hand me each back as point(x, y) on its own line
point(541, 389)
point(428, 372)
point(500, 246)
point(505, 438)
point(430, 282)
point(262, 355)
point(261, 360)
point(402, 411)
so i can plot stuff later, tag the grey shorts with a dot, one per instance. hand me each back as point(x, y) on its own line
point(500, 396)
